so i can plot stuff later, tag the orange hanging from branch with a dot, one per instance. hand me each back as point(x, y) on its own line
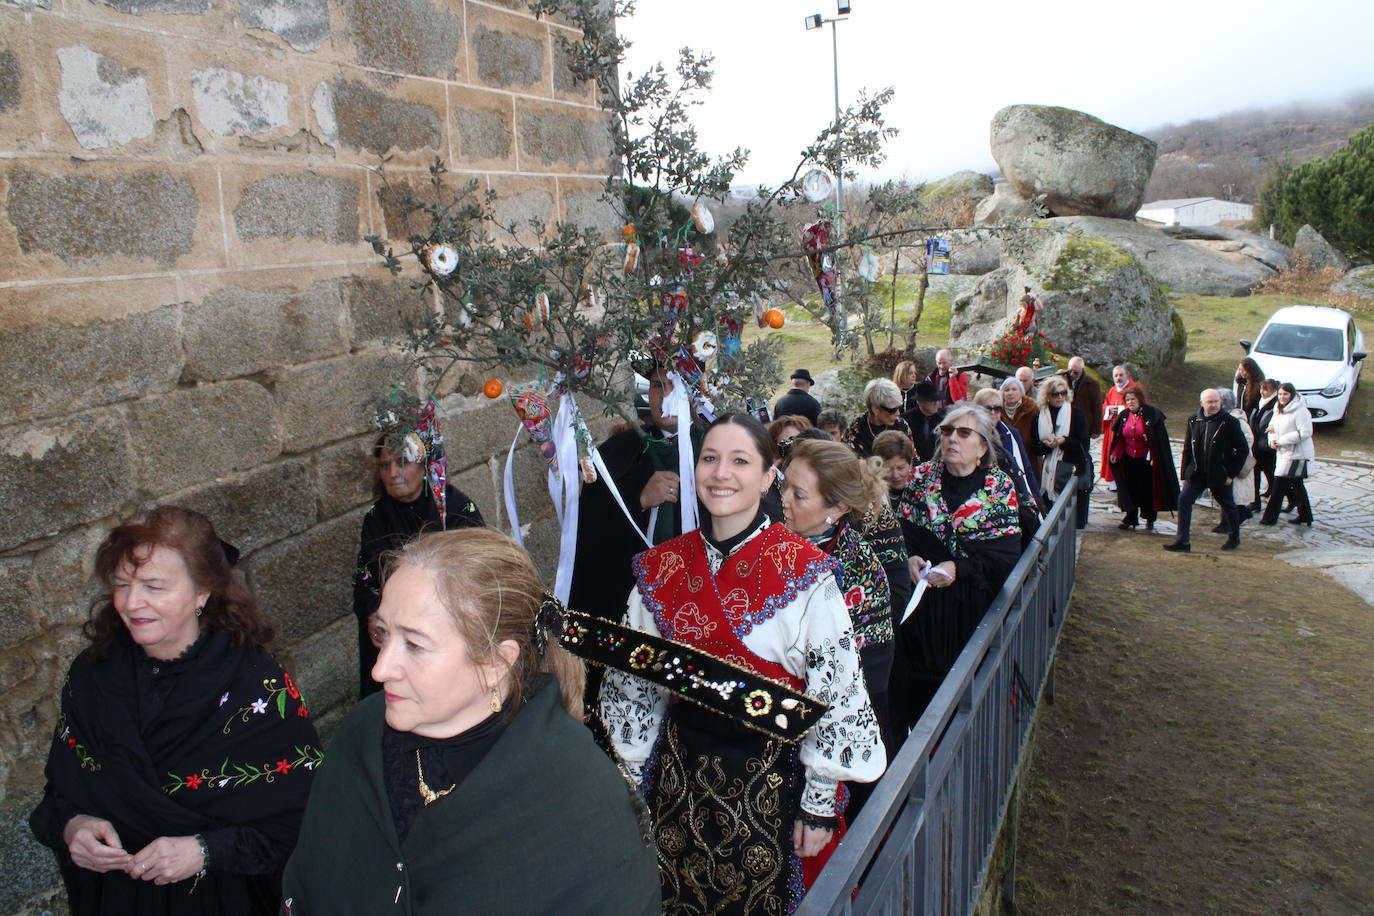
point(493, 388)
point(775, 318)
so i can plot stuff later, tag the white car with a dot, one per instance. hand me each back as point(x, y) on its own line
point(1319, 350)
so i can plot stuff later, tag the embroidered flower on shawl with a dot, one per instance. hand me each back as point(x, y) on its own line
point(291, 688)
point(283, 766)
point(260, 706)
point(194, 780)
point(989, 513)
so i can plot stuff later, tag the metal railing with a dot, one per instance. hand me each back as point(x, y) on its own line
point(926, 837)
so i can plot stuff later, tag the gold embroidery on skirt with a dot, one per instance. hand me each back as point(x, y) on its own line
point(721, 835)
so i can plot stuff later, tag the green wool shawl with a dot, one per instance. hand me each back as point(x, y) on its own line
point(544, 824)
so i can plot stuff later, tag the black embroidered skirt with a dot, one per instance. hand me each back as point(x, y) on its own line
point(723, 799)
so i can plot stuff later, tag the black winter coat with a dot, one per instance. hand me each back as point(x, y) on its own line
point(1220, 439)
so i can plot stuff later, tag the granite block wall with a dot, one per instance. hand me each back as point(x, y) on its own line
point(188, 312)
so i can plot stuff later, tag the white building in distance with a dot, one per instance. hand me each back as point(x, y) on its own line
point(1194, 211)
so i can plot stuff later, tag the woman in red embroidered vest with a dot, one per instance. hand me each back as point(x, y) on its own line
point(959, 513)
point(183, 754)
point(733, 805)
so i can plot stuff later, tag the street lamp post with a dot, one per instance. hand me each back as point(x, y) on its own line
point(816, 21)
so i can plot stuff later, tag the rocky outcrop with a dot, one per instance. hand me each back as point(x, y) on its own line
point(973, 254)
point(1185, 265)
point(1265, 250)
point(1098, 302)
point(965, 185)
point(1004, 204)
point(1358, 282)
point(1319, 254)
point(1081, 164)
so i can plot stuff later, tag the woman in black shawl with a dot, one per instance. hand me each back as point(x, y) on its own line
point(1143, 461)
point(183, 754)
point(405, 507)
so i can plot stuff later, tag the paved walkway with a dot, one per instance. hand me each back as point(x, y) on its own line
point(1340, 541)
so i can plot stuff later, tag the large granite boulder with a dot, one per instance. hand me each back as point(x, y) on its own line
point(1358, 282)
point(1320, 254)
point(972, 253)
point(1221, 238)
point(963, 186)
point(1004, 204)
point(1081, 164)
point(1184, 265)
point(1098, 302)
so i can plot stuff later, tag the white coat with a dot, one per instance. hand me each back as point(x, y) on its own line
point(1290, 435)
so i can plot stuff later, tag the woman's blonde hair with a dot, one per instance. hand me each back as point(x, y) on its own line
point(902, 369)
point(488, 585)
point(845, 479)
point(1053, 383)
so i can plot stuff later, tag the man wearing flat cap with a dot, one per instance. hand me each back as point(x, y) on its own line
point(798, 401)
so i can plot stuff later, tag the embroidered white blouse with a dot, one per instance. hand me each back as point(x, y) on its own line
point(812, 638)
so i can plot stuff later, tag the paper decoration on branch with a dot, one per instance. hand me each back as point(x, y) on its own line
point(703, 219)
point(731, 325)
point(868, 266)
point(760, 311)
point(440, 260)
point(536, 416)
point(817, 185)
point(937, 256)
point(815, 238)
point(704, 345)
point(674, 303)
point(689, 259)
point(631, 239)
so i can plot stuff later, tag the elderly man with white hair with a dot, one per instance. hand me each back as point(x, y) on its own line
point(1026, 376)
point(1214, 453)
point(951, 384)
point(1086, 394)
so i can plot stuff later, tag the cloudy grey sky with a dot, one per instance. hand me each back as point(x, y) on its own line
point(954, 64)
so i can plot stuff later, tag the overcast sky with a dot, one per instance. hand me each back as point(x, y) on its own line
point(955, 64)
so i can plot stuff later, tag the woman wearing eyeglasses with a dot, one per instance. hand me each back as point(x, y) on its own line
point(959, 514)
point(1061, 438)
point(884, 403)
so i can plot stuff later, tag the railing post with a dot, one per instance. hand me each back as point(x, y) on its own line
point(1013, 821)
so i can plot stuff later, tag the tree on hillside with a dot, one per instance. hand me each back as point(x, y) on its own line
point(1334, 195)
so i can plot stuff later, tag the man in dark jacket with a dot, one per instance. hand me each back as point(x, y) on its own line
point(799, 402)
point(1087, 394)
point(1213, 454)
point(925, 420)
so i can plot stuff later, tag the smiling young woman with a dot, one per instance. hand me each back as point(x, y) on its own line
point(745, 592)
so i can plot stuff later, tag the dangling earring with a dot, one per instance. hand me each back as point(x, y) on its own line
point(200, 610)
point(495, 700)
point(829, 520)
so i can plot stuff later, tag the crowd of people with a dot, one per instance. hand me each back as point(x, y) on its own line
point(710, 708)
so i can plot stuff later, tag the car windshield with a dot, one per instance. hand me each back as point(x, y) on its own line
point(1302, 342)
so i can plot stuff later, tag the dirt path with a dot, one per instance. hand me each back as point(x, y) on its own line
point(1212, 746)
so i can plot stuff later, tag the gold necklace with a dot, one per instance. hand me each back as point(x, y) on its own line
point(426, 793)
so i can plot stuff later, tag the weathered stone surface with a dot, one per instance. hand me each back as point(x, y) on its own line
point(86, 366)
point(531, 486)
point(260, 508)
point(552, 138)
point(379, 309)
point(971, 254)
point(325, 665)
point(507, 59)
point(19, 598)
point(564, 82)
point(479, 484)
point(1083, 165)
point(56, 475)
point(302, 143)
point(322, 104)
point(25, 865)
point(541, 542)
point(965, 184)
point(192, 436)
point(1004, 204)
point(367, 119)
point(11, 79)
point(304, 206)
point(587, 209)
point(482, 134)
point(238, 331)
point(64, 573)
point(518, 210)
point(78, 218)
point(104, 103)
point(304, 24)
point(229, 102)
point(139, 7)
point(1099, 303)
point(343, 476)
point(1318, 252)
point(332, 400)
point(1176, 263)
point(475, 427)
point(1265, 250)
point(175, 137)
point(305, 582)
point(407, 36)
point(1356, 282)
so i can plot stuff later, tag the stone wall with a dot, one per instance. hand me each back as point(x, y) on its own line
point(188, 313)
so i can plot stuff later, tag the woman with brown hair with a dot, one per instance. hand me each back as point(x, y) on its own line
point(183, 753)
point(905, 376)
point(470, 782)
point(1249, 378)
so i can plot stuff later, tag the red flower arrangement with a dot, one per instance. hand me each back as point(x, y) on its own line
point(1016, 350)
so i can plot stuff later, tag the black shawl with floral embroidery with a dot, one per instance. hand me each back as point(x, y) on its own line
point(218, 743)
